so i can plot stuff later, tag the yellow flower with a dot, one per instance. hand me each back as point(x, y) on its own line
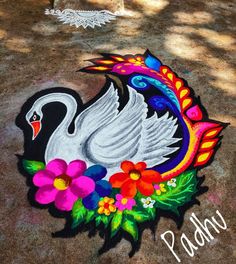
point(106, 206)
point(160, 188)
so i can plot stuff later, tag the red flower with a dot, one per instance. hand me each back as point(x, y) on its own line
point(135, 177)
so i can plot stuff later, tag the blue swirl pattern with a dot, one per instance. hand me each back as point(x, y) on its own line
point(140, 82)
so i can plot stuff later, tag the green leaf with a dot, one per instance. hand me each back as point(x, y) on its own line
point(78, 213)
point(151, 212)
point(105, 220)
point(130, 227)
point(186, 187)
point(32, 166)
point(89, 216)
point(98, 220)
point(116, 223)
point(139, 216)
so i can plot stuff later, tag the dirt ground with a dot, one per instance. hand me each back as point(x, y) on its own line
point(194, 37)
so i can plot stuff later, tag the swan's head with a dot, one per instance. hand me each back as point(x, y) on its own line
point(34, 117)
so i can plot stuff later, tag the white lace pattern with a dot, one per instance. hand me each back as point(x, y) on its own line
point(83, 18)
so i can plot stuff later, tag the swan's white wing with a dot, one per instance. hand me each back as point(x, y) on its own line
point(157, 138)
point(120, 139)
point(131, 136)
point(98, 114)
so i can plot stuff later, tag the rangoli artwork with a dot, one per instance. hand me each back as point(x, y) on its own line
point(83, 18)
point(121, 161)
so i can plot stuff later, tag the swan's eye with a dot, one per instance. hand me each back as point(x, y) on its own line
point(35, 117)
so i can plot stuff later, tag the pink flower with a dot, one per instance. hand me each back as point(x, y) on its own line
point(123, 203)
point(62, 183)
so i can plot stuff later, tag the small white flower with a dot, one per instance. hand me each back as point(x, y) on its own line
point(172, 183)
point(148, 202)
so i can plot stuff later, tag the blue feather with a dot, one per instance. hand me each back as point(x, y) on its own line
point(152, 62)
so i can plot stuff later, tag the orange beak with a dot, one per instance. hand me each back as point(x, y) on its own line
point(36, 126)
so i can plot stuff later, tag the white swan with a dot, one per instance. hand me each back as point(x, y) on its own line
point(104, 135)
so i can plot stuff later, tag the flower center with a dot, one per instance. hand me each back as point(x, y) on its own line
point(106, 205)
point(157, 187)
point(124, 201)
point(62, 182)
point(135, 175)
point(148, 202)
